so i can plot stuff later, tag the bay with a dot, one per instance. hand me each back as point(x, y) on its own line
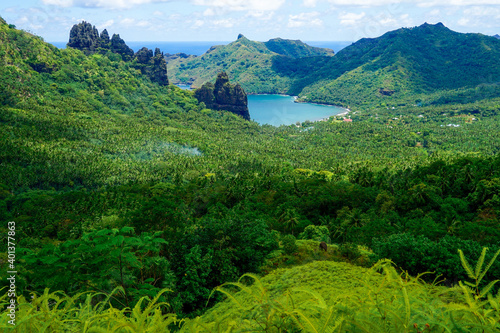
point(279, 110)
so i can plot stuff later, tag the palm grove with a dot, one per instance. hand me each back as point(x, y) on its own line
point(124, 186)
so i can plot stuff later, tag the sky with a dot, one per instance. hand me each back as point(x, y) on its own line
point(261, 20)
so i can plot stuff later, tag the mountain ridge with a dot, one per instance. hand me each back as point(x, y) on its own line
point(407, 62)
point(250, 63)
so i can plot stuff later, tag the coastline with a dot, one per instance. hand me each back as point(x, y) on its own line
point(345, 113)
point(347, 110)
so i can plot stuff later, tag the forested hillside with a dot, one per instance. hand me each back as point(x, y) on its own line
point(401, 67)
point(250, 63)
point(128, 194)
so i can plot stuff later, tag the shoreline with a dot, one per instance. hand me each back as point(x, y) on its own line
point(347, 110)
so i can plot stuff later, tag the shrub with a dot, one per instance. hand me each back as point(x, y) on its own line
point(289, 244)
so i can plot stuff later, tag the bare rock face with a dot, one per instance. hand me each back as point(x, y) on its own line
point(224, 96)
point(154, 66)
point(118, 46)
point(84, 36)
point(159, 69)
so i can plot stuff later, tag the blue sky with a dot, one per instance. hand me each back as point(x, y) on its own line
point(223, 20)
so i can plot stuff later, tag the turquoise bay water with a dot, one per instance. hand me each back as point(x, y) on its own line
point(279, 110)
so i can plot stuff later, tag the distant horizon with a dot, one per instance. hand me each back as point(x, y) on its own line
point(200, 47)
point(215, 41)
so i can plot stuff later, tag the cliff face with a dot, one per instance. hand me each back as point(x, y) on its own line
point(85, 37)
point(154, 66)
point(224, 96)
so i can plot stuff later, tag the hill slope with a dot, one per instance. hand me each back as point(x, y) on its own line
point(406, 62)
point(338, 297)
point(247, 62)
point(400, 66)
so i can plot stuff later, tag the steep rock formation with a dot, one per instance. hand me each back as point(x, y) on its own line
point(154, 66)
point(118, 46)
point(85, 37)
point(159, 69)
point(224, 96)
point(104, 40)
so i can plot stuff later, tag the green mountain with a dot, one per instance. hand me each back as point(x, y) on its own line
point(401, 66)
point(406, 63)
point(247, 62)
point(296, 48)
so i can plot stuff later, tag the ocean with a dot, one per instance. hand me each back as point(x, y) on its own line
point(198, 48)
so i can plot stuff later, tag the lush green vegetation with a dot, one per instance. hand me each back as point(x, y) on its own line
point(316, 297)
point(122, 189)
point(402, 67)
point(247, 62)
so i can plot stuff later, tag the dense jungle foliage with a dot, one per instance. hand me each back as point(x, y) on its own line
point(128, 195)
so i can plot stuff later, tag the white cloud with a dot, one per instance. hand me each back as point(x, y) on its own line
point(240, 5)
point(304, 19)
point(158, 13)
point(261, 15)
point(310, 3)
point(198, 24)
point(226, 23)
point(60, 3)
point(209, 12)
point(128, 21)
point(116, 4)
point(422, 3)
point(22, 20)
point(482, 11)
point(365, 3)
point(105, 25)
point(479, 16)
point(350, 19)
point(458, 2)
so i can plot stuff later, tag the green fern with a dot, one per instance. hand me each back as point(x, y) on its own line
point(478, 274)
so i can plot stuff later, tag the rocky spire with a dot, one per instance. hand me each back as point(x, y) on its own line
point(224, 96)
point(118, 46)
point(85, 37)
point(104, 40)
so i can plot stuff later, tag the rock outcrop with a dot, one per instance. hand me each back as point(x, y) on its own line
point(224, 96)
point(154, 66)
point(117, 45)
point(85, 37)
